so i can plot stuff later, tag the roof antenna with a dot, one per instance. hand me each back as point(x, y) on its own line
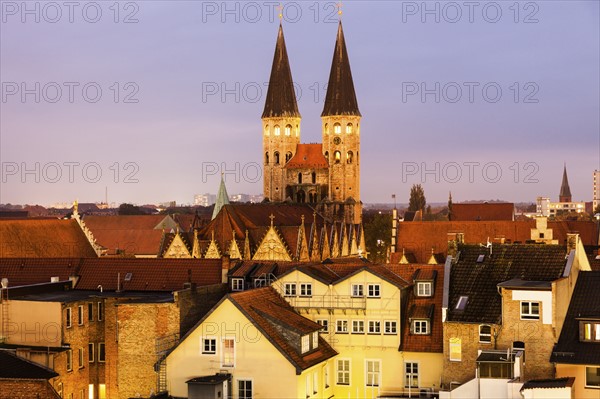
point(339, 7)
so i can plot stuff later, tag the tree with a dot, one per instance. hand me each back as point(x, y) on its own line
point(129, 209)
point(378, 231)
point(597, 210)
point(417, 200)
point(450, 206)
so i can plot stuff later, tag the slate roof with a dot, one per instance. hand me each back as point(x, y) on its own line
point(43, 238)
point(585, 302)
point(479, 281)
point(308, 156)
point(419, 238)
point(565, 382)
point(427, 305)
point(341, 97)
point(14, 367)
point(263, 306)
point(281, 97)
point(483, 212)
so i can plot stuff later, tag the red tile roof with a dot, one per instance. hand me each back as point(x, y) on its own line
point(421, 306)
point(269, 312)
point(308, 156)
point(419, 238)
point(483, 212)
point(43, 238)
point(27, 271)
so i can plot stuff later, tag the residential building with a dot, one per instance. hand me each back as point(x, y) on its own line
point(596, 190)
point(577, 353)
point(204, 199)
point(565, 202)
point(252, 344)
point(21, 378)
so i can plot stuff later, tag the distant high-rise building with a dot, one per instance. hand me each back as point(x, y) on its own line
point(596, 194)
point(565, 202)
point(204, 199)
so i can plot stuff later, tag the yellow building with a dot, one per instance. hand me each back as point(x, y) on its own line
point(359, 306)
point(252, 345)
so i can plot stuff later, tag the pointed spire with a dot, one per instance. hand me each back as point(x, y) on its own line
point(340, 98)
point(281, 97)
point(565, 191)
point(222, 199)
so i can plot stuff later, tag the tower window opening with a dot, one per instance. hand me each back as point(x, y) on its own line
point(314, 178)
point(299, 178)
point(327, 128)
point(337, 128)
point(288, 130)
point(288, 156)
point(337, 156)
point(266, 130)
point(349, 128)
point(349, 156)
point(276, 130)
point(266, 158)
point(276, 158)
point(327, 156)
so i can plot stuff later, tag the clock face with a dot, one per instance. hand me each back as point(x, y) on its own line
point(337, 141)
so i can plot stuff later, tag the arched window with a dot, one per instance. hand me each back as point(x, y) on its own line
point(313, 176)
point(327, 156)
point(312, 197)
point(297, 130)
point(301, 196)
point(349, 128)
point(327, 128)
point(299, 178)
point(276, 158)
point(276, 130)
point(288, 156)
point(266, 130)
point(288, 130)
point(349, 156)
point(337, 128)
point(337, 156)
point(266, 158)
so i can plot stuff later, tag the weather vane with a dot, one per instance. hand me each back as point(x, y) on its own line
point(280, 8)
point(339, 7)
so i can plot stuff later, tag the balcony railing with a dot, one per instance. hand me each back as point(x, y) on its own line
point(328, 302)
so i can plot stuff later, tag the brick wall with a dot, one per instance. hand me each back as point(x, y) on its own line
point(26, 389)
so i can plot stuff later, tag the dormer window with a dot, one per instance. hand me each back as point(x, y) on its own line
point(315, 339)
point(420, 327)
point(589, 331)
point(424, 288)
point(305, 343)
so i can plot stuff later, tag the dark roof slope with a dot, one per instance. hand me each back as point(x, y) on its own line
point(483, 212)
point(340, 98)
point(565, 382)
point(27, 271)
point(14, 367)
point(479, 280)
point(585, 302)
point(281, 97)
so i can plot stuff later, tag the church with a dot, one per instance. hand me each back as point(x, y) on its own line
point(325, 175)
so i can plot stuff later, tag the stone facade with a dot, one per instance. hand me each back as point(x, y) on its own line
point(278, 148)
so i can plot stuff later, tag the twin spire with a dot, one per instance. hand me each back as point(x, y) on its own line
point(340, 98)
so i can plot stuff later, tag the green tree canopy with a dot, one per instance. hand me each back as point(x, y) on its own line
point(417, 200)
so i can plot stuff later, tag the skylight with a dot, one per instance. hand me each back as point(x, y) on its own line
point(128, 276)
point(480, 258)
point(462, 302)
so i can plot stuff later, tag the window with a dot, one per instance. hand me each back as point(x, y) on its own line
point(485, 333)
point(308, 387)
point(305, 343)
point(327, 156)
point(102, 391)
point(589, 331)
point(68, 322)
point(209, 346)
point(306, 289)
point(288, 156)
point(244, 389)
point(266, 158)
point(420, 327)
point(237, 284)
point(349, 128)
point(373, 373)
point(341, 326)
point(503, 370)
point(266, 130)
point(101, 352)
point(315, 383)
point(337, 156)
point(289, 289)
point(299, 178)
point(90, 311)
point(389, 327)
point(90, 353)
point(374, 291)
point(455, 349)
point(343, 372)
point(325, 324)
point(276, 130)
point(530, 310)
point(276, 155)
point(326, 375)
point(80, 315)
point(374, 327)
point(228, 359)
point(337, 128)
point(100, 311)
point(69, 360)
point(80, 357)
point(349, 156)
point(592, 377)
point(315, 339)
point(357, 290)
point(462, 303)
point(288, 130)
point(358, 327)
point(313, 178)
point(424, 289)
point(411, 371)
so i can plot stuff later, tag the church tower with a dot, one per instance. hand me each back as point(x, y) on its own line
point(565, 190)
point(341, 137)
point(280, 123)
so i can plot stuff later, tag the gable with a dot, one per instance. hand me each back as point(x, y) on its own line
point(272, 248)
point(177, 249)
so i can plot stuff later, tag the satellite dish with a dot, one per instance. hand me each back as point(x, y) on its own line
point(5, 283)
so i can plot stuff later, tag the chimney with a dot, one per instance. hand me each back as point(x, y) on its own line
point(572, 240)
point(453, 240)
point(225, 264)
point(54, 279)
